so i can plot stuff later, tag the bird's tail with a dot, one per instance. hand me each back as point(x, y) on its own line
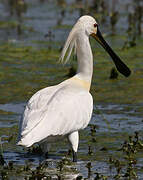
point(24, 142)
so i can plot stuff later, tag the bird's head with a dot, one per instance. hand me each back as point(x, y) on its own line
point(88, 25)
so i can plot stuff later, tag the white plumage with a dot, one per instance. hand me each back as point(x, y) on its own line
point(57, 110)
point(64, 109)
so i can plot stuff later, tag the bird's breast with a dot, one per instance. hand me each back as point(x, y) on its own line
point(82, 83)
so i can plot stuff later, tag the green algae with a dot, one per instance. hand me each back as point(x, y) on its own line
point(8, 24)
point(124, 90)
point(24, 70)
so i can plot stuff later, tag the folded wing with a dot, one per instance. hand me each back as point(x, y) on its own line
point(55, 111)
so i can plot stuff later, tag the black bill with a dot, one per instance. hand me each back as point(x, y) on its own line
point(121, 67)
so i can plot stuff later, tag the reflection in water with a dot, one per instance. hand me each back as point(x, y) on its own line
point(61, 17)
point(138, 14)
point(134, 24)
point(114, 16)
point(46, 14)
point(50, 37)
point(18, 7)
point(63, 6)
point(93, 155)
point(123, 120)
point(15, 9)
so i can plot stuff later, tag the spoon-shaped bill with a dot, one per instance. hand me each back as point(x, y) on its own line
point(121, 67)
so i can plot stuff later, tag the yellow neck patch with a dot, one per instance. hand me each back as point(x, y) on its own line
point(82, 83)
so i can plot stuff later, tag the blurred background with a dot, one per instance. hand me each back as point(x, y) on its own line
point(29, 62)
point(24, 24)
point(23, 20)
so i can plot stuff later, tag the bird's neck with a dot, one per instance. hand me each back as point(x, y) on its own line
point(85, 58)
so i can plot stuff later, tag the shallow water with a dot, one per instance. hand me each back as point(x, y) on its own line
point(28, 62)
point(32, 20)
point(114, 124)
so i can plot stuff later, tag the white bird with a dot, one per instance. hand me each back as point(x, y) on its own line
point(64, 109)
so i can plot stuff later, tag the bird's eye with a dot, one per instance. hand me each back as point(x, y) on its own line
point(95, 25)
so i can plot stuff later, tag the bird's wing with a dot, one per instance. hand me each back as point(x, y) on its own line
point(33, 109)
point(69, 109)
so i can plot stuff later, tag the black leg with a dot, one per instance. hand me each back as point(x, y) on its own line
point(74, 156)
point(46, 155)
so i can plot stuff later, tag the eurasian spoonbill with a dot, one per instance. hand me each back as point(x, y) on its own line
point(62, 110)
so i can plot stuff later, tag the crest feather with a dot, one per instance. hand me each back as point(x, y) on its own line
point(70, 44)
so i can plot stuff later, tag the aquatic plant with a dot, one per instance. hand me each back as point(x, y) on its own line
point(26, 64)
point(2, 161)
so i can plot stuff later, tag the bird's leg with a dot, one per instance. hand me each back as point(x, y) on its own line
point(45, 146)
point(74, 156)
point(73, 139)
point(46, 155)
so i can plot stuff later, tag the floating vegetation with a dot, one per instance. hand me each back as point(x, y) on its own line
point(28, 62)
point(121, 163)
point(127, 168)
